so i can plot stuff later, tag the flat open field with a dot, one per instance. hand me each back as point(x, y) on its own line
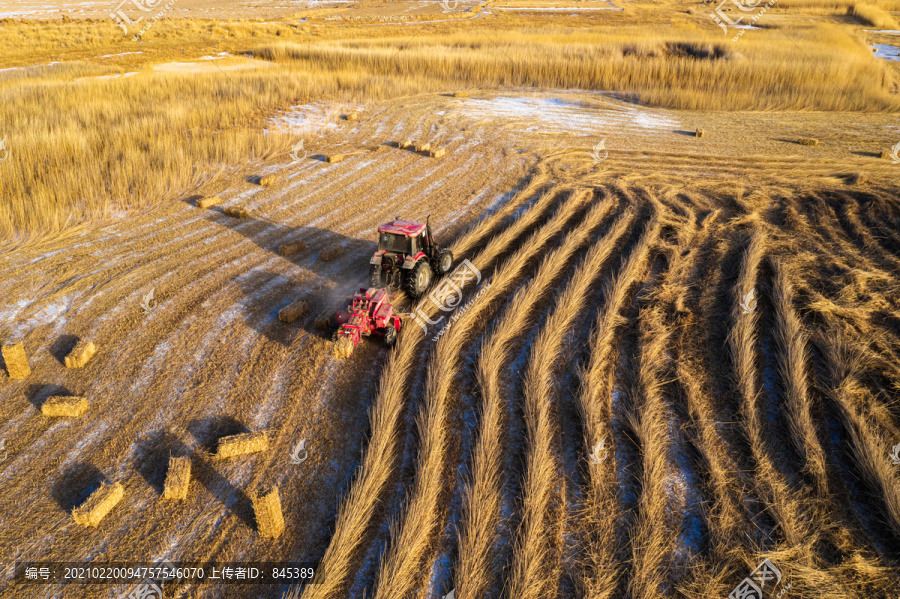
point(681, 357)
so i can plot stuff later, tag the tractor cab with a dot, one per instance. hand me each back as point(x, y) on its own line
point(407, 257)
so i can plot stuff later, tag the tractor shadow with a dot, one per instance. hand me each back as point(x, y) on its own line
point(265, 292)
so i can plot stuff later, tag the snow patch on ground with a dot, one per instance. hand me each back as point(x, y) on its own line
point(560, 115)
point(886, 52)
point(309, 119)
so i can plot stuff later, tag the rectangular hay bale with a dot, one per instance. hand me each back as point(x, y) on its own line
point(98, 505)
point(293, 311)
point(237, 212)
point(268, 180)
point(808, 141)
point(289, 249)
point(83, 351)
point(60, 406)
point(437, 152)
point(267, 508)
point(177, 478)
point(331, 253)
point(323, 321)
point(699, 133)
point(406, 144)
point(242, 444)
point(209, 202)
point(423, 148)
point(16, 360)
point(351, 116)
point(334, 158)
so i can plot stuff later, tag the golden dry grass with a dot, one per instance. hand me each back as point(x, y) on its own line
point(874, 16)
point(63, 172)
point(656, 383)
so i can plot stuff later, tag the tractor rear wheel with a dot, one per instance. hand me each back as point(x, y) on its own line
point(419, 279)
point(375, 276)
point(445, 262)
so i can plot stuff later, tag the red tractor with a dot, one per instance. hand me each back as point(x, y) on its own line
point(408, 258)
point(367, 313)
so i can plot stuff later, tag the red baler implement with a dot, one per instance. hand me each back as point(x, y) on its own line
point(368, 312)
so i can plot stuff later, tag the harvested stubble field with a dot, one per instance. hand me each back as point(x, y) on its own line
point(682, 359)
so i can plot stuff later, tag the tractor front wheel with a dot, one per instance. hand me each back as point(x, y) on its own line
point(445, 261)
point(390, 336)
point(419, 279)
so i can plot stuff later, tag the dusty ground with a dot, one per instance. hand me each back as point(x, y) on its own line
point(212, 358)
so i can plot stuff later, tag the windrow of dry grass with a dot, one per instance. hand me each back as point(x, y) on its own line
point(536, 566)
point(482, 502)
point(602, 564)
point(788, 510)
point(793, 346)
point(874, 16)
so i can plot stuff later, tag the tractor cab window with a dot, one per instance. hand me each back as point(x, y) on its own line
point(391, 242)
